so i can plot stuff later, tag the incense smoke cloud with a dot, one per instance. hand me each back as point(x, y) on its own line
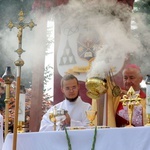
point(112, 21)
point(106, 17)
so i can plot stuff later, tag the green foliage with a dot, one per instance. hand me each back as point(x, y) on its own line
point(143, 6)
point(47, 76)
point(142, 33)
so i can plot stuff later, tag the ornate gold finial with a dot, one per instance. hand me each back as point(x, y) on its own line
point(21, 16)
point(130, 100)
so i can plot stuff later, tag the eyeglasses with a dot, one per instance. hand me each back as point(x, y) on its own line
point(71, 88)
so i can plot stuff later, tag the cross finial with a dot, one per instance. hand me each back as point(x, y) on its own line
point(130, 100)
point(20, 26)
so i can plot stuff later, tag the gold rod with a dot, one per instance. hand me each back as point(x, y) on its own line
point(6, 108)
point(16, 111)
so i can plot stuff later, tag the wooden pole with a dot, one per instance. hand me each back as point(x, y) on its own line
point(16, 108)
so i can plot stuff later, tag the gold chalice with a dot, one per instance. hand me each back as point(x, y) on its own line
point(91, 114)
point(57, 116)
point(53, 119)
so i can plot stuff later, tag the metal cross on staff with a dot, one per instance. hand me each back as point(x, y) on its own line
point(130, 100)
point(19, 63)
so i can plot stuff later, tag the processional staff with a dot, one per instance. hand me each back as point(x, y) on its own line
point(19, 63)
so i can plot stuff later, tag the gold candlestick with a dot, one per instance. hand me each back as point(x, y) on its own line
point(130, 100)
point(20, 127)
point(8, 78)
point(148, 120)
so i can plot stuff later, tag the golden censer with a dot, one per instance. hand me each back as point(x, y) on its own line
point(96, 86)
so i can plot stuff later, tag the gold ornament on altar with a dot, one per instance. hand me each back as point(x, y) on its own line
point(57, 116)
point(91, 115)
point(130, 100)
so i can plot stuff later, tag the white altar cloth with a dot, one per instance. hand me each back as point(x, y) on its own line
point(1, 131)
point(107, 139)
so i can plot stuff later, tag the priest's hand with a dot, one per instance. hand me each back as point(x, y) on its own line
point(66, 122)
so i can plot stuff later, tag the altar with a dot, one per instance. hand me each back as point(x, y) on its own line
point(107, 139)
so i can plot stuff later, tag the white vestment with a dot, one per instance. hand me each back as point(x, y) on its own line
point(76, 111)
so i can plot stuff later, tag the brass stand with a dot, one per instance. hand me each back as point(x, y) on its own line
point(148, 120)
point(130, 114)
point(130, 100)
point(20, 127)
point(7, 108)
point(8, 78)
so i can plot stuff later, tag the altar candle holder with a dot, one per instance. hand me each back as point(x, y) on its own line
point(130, 100)
point(20, 127)
point(8, 79)
point(147, 81)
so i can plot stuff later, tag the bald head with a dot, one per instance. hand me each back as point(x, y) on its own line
point(132, 76)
